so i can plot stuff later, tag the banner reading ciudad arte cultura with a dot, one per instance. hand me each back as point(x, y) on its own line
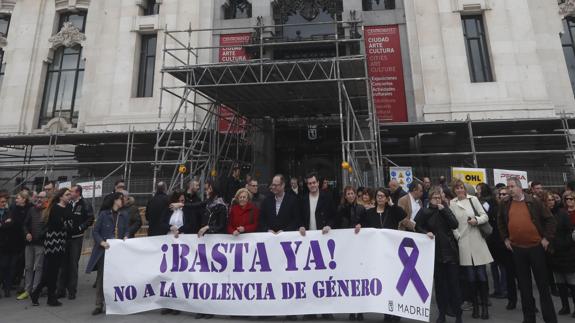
point(382, 271)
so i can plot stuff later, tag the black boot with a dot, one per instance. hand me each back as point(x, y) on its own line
point(34, 296)
point(53, 299)
point(564, 296)
point(484, 294)
point(572, 290)
point(475, 297)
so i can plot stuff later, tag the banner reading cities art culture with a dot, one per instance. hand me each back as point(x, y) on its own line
point(261, 274)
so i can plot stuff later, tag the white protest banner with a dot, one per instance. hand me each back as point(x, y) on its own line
point(500, 176)
point(403, 175)
point(380, 271)
point(91, 189)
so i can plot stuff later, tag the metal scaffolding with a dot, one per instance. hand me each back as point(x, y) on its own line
point(264, 87)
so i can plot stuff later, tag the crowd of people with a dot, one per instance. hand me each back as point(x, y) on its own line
point(521, 233)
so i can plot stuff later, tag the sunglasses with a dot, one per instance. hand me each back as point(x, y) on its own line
point(569, 199)
point(503, 194)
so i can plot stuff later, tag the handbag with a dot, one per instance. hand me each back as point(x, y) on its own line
point(486, 229)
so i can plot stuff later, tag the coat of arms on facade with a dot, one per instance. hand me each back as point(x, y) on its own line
point(68, 36)
point(566, 7)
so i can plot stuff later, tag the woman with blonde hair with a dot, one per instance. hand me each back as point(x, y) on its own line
point(244, 214)
point(474, 254)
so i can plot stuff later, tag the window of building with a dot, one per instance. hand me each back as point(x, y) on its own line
point(568, 42)
point(147, 66)
point(369, 5)
point(151, 7)
point(4, 25)
point(237, 9)
point(477, 50)
point(64, 77)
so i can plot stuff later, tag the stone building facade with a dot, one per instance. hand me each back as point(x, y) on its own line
point(93, 66)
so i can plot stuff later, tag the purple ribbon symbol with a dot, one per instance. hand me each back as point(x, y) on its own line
point(409, 272)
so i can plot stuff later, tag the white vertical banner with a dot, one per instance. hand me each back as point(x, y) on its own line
point(403, 175)
point(381, 271)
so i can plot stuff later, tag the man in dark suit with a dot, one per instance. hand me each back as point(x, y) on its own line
point(155, 209)
point(280, 211)
point(317, 213)
point(317, 207)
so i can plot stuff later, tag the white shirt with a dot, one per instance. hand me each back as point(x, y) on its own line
point(177, 218)
point(279, 201)
point(414, 207)
point(312, 206)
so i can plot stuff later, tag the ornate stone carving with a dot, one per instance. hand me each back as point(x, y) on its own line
point(308, 9)
point(233, 7)
point(68, 36)
point(57, 124)
point(567, 8)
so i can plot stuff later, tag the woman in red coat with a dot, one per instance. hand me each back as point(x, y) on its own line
point(243, 214)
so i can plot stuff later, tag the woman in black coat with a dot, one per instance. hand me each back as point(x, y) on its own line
point(177, 220)
point(438, 222)
point(384, 215)
point(214, 220)
point(215, 215)
point(55, 216)
point(349, 215)
point(563, 251)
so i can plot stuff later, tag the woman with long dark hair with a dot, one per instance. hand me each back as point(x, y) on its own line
point(111, 224)
point(438, 222)
point(384, 215)
point(178, 218)
point(214, 219)
point(349, 215)
point(215, 216)
point(175, 221)
point(54, 244)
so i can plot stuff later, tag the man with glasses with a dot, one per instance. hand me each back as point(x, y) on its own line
point(526, 227)
point(257, 197)
point(279, 212)
point(502, 193)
